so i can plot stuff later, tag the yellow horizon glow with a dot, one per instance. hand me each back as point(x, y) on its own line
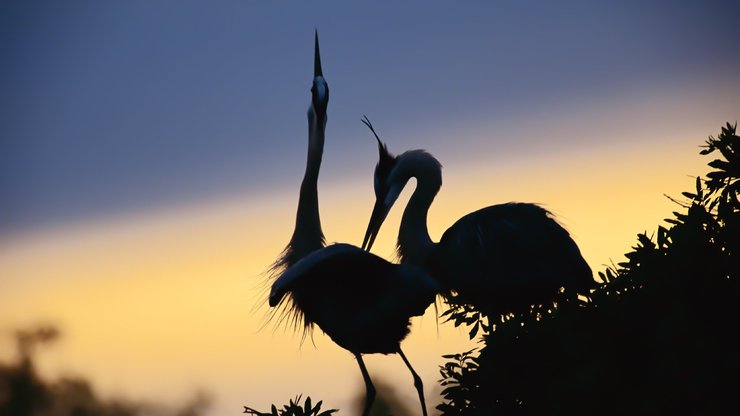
point(167, 299)
point(160, 304)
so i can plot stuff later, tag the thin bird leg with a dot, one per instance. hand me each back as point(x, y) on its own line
point(417, 382)
point(370, 395)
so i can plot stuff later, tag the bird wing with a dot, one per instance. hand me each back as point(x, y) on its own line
point(362, 301)
point(325, 264)
point(510, 250)
point(305, 267)
point(342, 264)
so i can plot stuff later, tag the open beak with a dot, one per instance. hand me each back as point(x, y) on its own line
point(380, 211)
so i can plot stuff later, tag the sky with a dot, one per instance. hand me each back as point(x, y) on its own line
point(151, 153)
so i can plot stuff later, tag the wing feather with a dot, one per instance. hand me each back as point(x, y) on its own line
point(502, 252)
point(362, 301)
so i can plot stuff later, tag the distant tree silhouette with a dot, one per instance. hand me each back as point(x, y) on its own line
point(658, 336)
point(21, 391)
point(24, 393)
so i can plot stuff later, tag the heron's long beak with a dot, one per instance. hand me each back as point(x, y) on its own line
point(320, 89)
point(317, 56)
point(380, 211)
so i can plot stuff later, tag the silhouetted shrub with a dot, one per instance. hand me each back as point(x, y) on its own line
point(293, 408)
point(658, 336)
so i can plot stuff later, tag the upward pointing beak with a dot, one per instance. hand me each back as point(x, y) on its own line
point(316, 56)
point(373, 227)
point(320, 89)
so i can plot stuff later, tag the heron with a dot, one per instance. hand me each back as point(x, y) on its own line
point(500, 259)
point(363, 302)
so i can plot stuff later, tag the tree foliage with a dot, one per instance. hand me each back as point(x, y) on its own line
point(293, 408)
point(658, 336)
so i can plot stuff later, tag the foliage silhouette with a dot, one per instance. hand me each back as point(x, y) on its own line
point(24, 393)
point(658, 336)
point(386, 402)
point(293, 408)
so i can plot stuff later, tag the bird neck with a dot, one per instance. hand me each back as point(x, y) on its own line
point(307, 235)
point(316, 128)
point(414, 242)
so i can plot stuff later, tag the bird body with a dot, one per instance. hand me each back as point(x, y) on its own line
point(361, 301)
point(502, 258)
point(509, 256)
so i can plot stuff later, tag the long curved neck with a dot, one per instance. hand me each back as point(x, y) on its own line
point(307, 235)
point(414, 242)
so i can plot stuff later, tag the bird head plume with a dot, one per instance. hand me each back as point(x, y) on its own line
point(386, 163)
point(386, 160)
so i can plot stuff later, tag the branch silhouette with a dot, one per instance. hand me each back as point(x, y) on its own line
point(659, 335)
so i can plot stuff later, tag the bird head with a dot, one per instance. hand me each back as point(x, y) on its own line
point(319, 89)
point(387, 189)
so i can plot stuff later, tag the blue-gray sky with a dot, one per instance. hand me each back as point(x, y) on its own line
point(113, 107)
point(181, 127)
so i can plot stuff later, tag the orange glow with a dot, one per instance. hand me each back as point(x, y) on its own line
point(168, 298)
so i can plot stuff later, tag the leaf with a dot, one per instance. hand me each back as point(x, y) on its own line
point(318, 407)
point(473, 332)
point(662, 237)
point(720, 164)
point(717, 175)
point(727, 153)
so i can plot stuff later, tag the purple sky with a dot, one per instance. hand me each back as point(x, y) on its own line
point(114, 107)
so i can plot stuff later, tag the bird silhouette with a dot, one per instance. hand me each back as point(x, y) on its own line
point(361, 301)
point(500, 259)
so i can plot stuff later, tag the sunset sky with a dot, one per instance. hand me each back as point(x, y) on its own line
point(151, 154)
